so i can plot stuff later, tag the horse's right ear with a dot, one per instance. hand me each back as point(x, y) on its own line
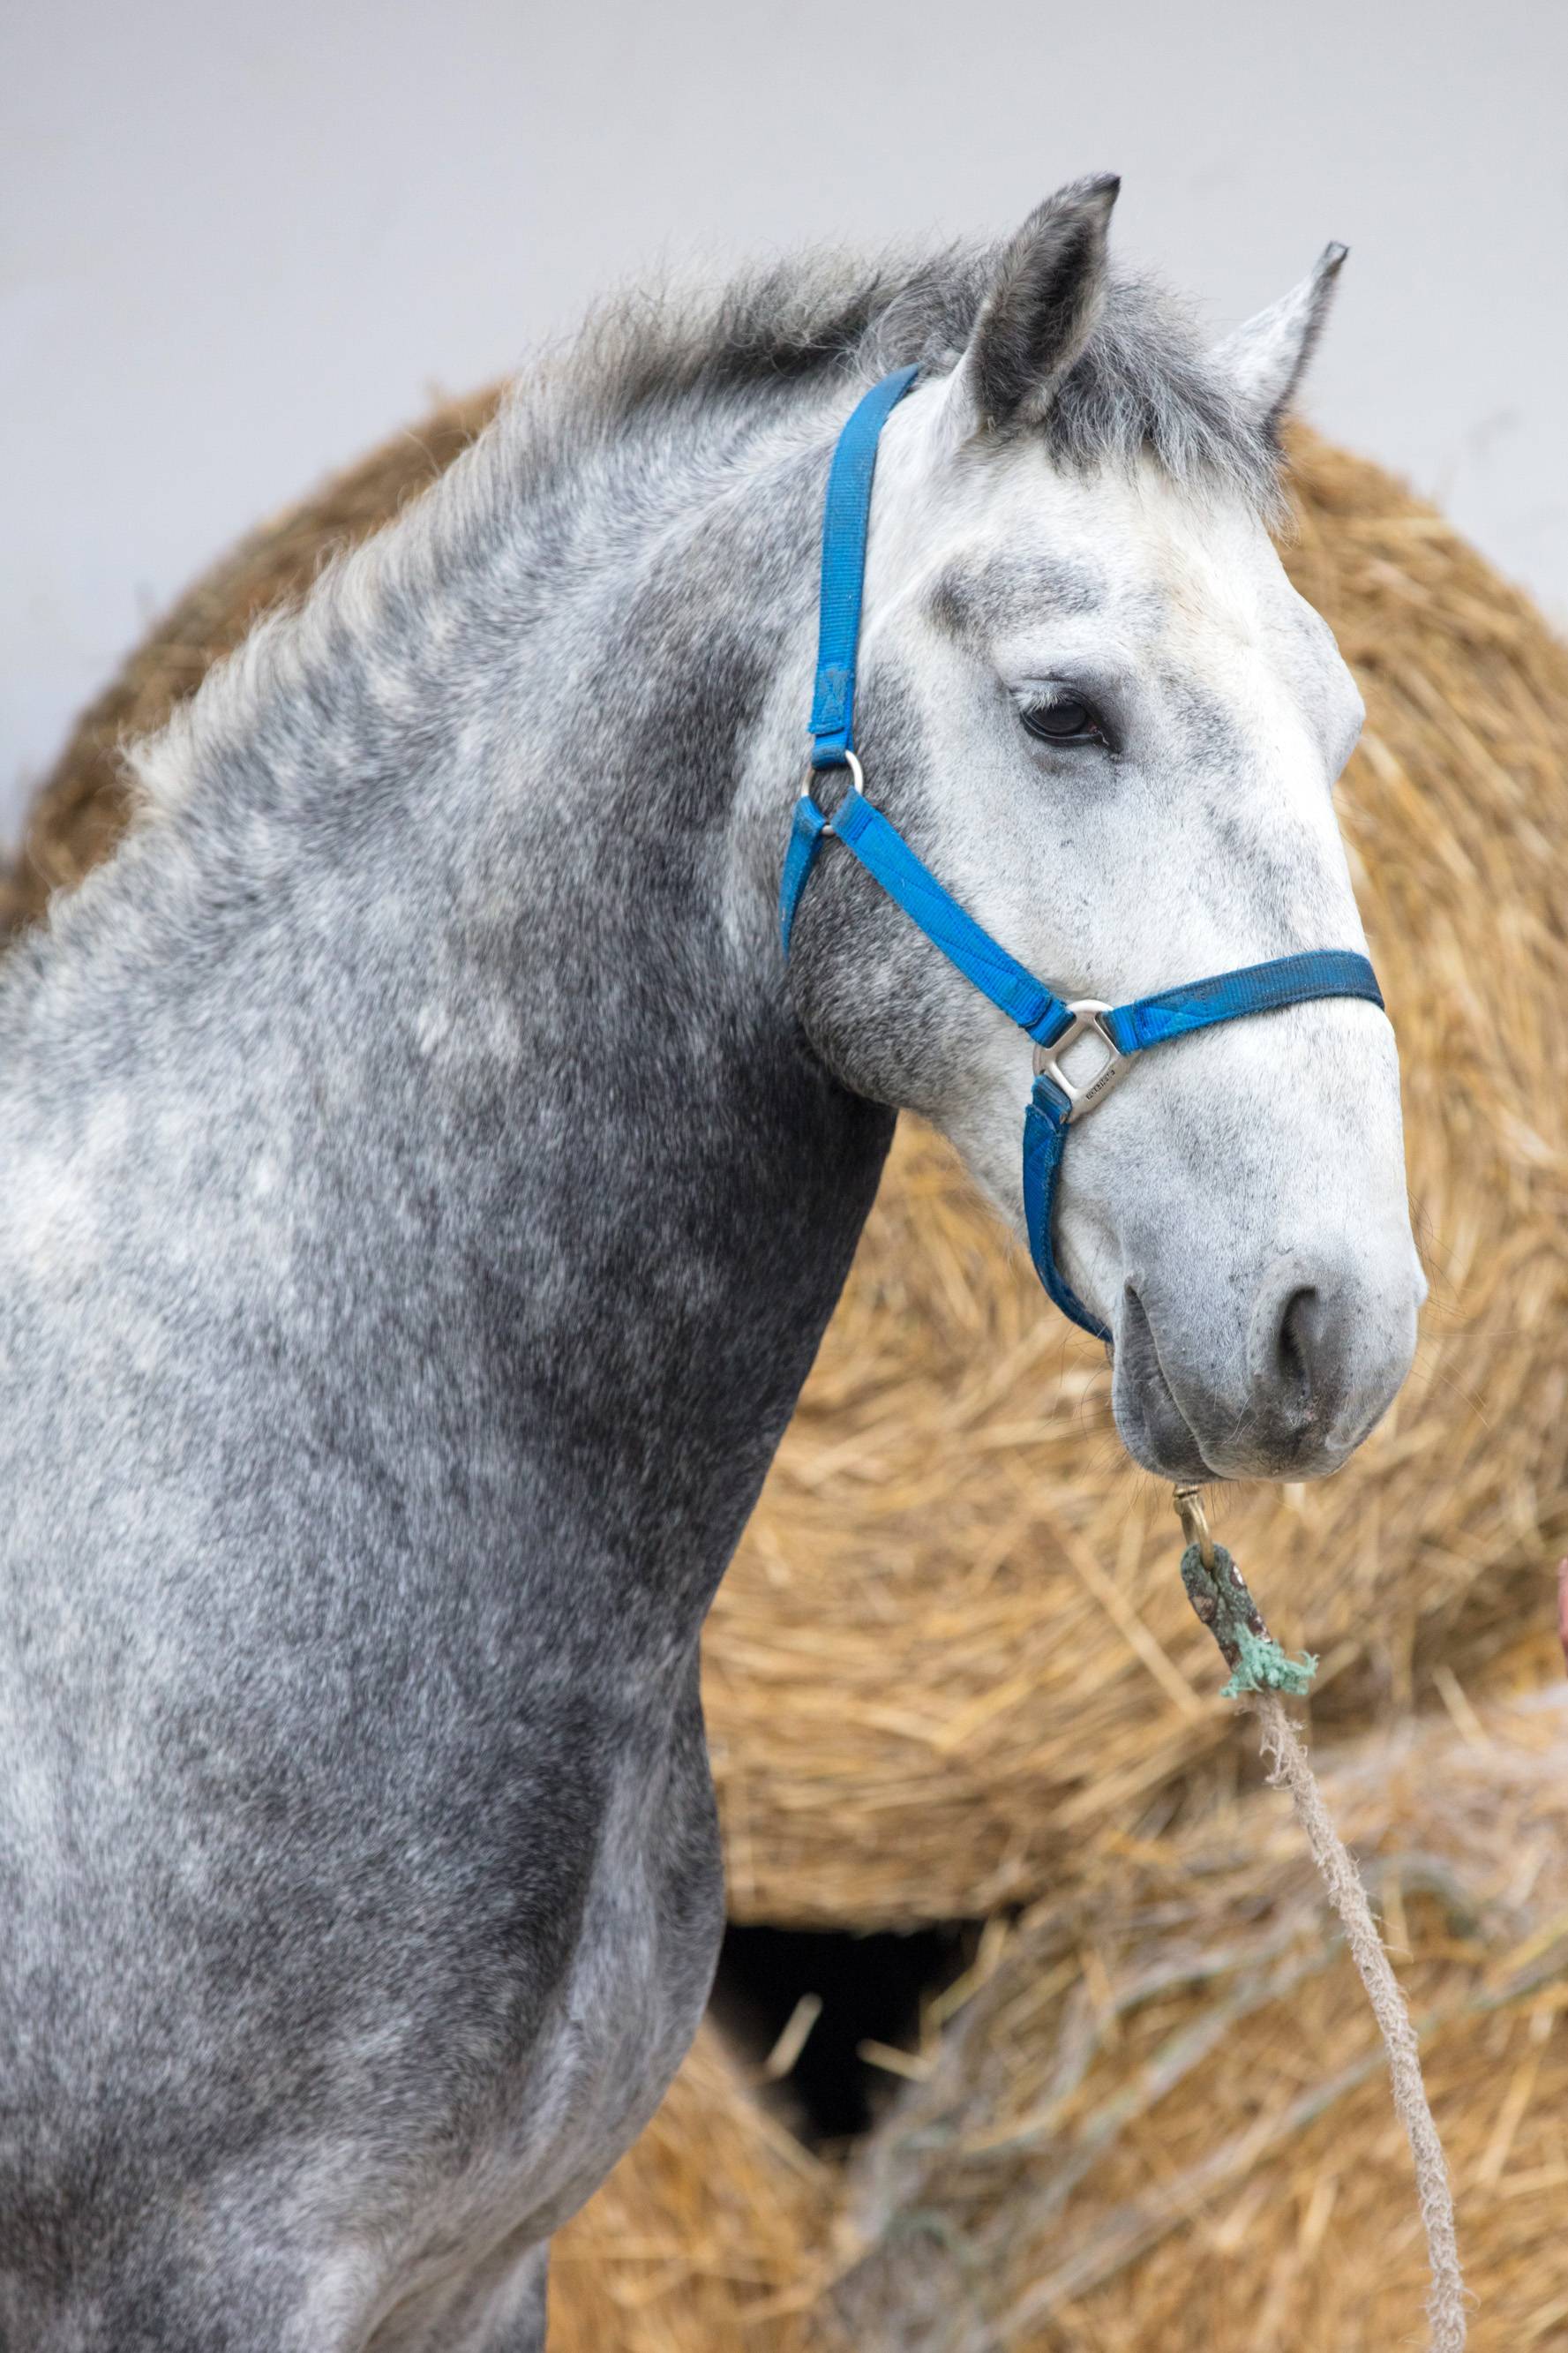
point(1041, 309)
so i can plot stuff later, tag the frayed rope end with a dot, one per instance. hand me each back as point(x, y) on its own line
point(1256, 1661)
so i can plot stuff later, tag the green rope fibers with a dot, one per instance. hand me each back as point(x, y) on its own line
point(1220, 1596)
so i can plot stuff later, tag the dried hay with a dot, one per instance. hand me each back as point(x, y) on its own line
point(700, 2241)
point(953, 1655)
point(1163, 2118)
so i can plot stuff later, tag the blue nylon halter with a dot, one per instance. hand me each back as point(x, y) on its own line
point(1054, 1024)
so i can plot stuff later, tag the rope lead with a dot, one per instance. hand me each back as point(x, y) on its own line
point(1261, 1671)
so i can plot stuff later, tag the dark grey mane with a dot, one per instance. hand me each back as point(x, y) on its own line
point(1144, 386)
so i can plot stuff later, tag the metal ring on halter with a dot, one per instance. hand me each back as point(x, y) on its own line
point(857, 781)
point(1087, 1014)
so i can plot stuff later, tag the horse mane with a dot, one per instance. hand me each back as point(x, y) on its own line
point(657, 366)
point(1144, 388)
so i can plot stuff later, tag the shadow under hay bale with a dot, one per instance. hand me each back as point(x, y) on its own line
point(1164, 2119)
point(952, 1658)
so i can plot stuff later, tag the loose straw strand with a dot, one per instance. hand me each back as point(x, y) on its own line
point(1219, 1596)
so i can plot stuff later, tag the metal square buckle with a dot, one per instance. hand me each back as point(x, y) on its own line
point(1087, 1013)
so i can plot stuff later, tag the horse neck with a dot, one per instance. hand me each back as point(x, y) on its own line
point(510, 806)
point(719, 1177)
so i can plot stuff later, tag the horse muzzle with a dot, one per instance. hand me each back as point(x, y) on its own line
point(1287, 1391)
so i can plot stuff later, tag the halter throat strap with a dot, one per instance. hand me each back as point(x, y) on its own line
point(1053, 1023)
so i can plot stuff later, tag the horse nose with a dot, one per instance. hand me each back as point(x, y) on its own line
point(1284, 1389)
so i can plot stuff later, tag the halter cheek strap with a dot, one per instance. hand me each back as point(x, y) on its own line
point(1054, 1023)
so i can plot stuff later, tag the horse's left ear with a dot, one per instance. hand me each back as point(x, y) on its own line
point(1044, 301)
point(1266, 358)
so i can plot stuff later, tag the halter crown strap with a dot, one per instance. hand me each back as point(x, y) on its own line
point(1051, 1021)
point(846, 519)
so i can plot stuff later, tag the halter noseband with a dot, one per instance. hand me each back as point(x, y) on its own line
point(1124, 1030)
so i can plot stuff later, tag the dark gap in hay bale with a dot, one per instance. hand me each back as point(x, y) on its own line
point(874, 1990)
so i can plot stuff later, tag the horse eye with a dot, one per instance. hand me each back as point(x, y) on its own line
point(1064, 720)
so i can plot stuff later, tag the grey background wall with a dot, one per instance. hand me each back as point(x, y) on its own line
point(240, 245)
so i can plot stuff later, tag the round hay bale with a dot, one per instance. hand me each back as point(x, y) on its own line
point(1165, 2117)
point(705, 2236)
point(953, 1654)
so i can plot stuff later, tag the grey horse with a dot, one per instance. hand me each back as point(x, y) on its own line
point(423, 1190)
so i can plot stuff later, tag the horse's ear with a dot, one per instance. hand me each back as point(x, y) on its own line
point(1041, 309)
point(1266, 358)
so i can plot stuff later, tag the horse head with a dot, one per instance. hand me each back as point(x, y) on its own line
point(1094, 706)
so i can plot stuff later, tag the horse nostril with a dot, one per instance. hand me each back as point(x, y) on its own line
point(1298, 1342)
point(1313, 1358)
